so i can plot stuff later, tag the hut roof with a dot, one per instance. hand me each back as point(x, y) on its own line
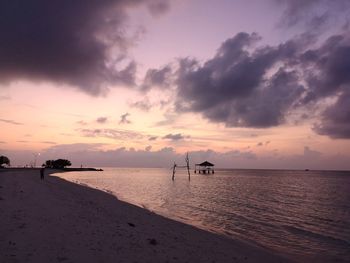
point(206, 163)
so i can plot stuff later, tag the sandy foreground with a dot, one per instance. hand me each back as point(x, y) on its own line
point(58, 221)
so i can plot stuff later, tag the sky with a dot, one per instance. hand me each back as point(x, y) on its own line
point(138, 83)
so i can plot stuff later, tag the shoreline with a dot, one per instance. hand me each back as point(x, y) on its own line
point(52, 170)
point(59, 221)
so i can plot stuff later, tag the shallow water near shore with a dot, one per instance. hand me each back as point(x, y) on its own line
point(303, 214)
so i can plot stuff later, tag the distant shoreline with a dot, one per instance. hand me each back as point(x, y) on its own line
point(51, 170)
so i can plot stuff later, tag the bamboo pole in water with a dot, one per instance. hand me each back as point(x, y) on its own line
point(188, 166)
point(174, 170)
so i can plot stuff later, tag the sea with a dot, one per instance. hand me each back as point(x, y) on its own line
point(304, 215)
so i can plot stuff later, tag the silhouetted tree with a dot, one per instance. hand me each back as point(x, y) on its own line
point(61, 163)
point(4, 160)
point(48, 164)
point(57, 164)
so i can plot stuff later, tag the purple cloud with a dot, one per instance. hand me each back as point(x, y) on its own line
point(175, 137)
point(69, 42)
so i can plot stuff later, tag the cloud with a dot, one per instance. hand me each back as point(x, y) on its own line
point(124, 120)
point(249, 85)
point(93, 155)
point(314, 14)
point(60, 150)
point(327, 75)
point(335, 121)
point(157, 78)
point(175, 137)
point(144, 105)
point(170, 118)
point(83, 123)
point(326, 67)
point(153, 138)
point(311, 153)
point(80, 44)
point(112, 134)
point(259, 144)
point(11, 122)
point(234, 87)
point(48, 142)
point(158, 7)
point(102, 120)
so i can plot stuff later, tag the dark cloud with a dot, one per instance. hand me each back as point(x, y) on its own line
point(327, 67)
point(102, 120)
point(124, 119)
point(11, 122)
point(175, 137)
point(327, 75)
point(112, 134)
point(153, 138)
point(335, 121)
point(78, 43)
point(157, 78)
point(247, 85)
point(234, 88)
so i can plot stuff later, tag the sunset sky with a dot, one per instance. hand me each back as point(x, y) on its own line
point(244, 84)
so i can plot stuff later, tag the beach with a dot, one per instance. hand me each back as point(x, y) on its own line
point(54, 220)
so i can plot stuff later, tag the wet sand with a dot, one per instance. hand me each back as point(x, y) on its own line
point(58, 221)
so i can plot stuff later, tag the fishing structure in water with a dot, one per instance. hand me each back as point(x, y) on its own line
point(187, 159)
point(204, 167)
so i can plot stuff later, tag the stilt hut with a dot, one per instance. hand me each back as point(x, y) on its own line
point(204, 167)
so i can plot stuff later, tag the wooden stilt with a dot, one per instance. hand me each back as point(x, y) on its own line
point(174, 170)
point(188, 167)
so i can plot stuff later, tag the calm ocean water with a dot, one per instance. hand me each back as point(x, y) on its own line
point(303, 214)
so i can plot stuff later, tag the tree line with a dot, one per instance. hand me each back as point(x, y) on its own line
point(54, 164)
point(57, 164)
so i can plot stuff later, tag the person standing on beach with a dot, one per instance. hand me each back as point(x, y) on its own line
point(42, 173)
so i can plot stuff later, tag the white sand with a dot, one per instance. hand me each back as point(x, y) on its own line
point(58, 221)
